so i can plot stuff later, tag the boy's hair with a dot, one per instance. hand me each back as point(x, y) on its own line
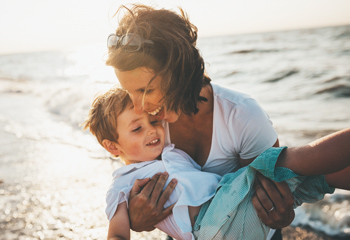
point(173, 56)
point(102, 118)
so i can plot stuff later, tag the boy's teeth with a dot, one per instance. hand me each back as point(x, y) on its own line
point(155, 111)
point(154, 141)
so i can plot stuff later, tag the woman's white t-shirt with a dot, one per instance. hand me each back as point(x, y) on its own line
point(241, 129)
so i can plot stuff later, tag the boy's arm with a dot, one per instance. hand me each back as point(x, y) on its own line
point(327, 155)
point(119, 226)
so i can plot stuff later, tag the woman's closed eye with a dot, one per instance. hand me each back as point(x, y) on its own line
point(154, 123)
point(148, 91)
point(154, 120)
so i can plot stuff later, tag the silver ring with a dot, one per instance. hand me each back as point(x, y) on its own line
point(271, 209)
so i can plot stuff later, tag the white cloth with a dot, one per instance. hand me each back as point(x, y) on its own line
point(241, 128)
point(231, 214)
point(193, 189)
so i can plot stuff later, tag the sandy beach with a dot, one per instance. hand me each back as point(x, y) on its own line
point(51, 186)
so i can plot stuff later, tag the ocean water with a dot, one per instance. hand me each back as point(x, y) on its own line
point(300, 77)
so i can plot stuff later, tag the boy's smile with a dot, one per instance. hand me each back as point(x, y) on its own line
point(141, 136)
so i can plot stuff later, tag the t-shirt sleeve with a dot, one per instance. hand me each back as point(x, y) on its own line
point(115, 197)
point(252, 129)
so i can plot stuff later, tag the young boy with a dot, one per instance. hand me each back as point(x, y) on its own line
point(139, 139)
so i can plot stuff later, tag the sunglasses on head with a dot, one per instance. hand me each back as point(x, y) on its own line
point(130, 42)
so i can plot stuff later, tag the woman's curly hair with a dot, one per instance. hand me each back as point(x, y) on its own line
point(173, 56)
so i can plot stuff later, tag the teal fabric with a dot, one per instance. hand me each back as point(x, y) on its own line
point(231, 215)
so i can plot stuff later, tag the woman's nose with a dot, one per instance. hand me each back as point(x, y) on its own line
point(138, 108)
point(137, 102)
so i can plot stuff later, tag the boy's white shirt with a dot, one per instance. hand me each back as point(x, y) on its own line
point(193, 189)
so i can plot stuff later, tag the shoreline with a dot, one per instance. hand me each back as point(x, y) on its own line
point(307, 233)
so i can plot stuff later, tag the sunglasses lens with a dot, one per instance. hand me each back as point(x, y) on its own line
point(131, 42)
point(112, 41)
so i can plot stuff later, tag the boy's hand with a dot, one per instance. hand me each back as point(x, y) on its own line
point(146, 202)
point(273, 202)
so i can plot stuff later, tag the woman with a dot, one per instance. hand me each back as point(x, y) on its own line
point(155, 59)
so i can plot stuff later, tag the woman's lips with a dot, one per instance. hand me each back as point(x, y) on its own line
point(155, 112)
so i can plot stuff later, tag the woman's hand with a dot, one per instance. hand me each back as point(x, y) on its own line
point(146, 202)
point(273, 202)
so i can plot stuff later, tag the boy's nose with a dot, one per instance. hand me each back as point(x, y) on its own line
point(151, 130)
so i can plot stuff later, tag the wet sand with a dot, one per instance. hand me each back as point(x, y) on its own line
point(51, 185)
point(292, 233)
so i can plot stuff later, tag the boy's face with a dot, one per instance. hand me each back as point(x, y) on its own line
point(141, 136)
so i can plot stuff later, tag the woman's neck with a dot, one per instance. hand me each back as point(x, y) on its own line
point(193, 134)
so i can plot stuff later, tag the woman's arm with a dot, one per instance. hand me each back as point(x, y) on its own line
point(146, 202)
point(339, 179)
point(273, 202)
point(270, 194)
point(119, 227)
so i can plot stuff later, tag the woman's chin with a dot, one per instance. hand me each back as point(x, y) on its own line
point(170, 117)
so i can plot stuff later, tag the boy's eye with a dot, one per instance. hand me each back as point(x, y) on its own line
point(136, 129)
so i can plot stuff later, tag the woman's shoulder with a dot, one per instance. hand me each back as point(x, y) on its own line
point(228, 98)
point(224, 93)
point(236, 108)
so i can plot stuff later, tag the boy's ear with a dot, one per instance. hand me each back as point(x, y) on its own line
point(111, 147)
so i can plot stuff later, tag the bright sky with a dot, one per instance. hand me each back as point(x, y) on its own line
point(36, 25)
